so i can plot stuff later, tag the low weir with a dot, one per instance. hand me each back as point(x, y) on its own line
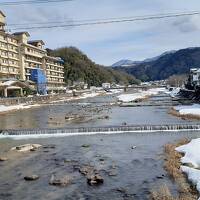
point(99, 130)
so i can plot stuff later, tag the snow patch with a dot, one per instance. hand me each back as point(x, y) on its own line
point(4, 108)
point(140, 94)
point(193, 176)
point(192, 152)
point(192, 156)
point(188, 109)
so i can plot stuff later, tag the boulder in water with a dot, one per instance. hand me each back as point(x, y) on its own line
point(31, 178)
point(3, 159)
point(133, 147)
point(95, 179)
point(26, 147)
point(86, 170)
point(85, 146)
point(64, 181)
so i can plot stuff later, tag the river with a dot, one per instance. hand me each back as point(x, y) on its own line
point(136, 170)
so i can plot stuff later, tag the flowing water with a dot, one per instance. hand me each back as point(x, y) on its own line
point(92, 112)
point(136, 170)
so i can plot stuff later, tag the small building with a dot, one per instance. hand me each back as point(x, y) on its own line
point(106, 85)
point(13, 88)
point(194, 77)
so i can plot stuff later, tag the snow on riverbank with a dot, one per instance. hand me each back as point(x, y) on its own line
point(140, 94)
point(82, 96)
point(192, 156)
point(188, 109)
point(4, 108)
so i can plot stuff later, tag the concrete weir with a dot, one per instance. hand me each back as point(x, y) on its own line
point(97, 130)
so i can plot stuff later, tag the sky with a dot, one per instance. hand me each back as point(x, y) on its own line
point(107, 44)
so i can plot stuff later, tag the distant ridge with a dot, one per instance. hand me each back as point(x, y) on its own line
point(165, 65)
point(126, 63)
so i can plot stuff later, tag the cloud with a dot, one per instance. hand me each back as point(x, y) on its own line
point(187, 24)
point(106, 44)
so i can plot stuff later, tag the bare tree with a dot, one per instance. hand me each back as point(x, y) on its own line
point(177, 80)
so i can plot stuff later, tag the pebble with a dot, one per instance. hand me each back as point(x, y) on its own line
point(31, 178)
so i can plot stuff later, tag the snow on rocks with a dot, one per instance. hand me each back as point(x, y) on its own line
point(139, 95)
point(188, 109)
point(174, 92)
point(191, 153)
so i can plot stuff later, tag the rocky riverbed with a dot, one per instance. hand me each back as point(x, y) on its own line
point(99, 167)
point(86, 167)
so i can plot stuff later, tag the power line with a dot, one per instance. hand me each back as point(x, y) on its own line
point(110, 21)
point(102, 19)
point(16, 3)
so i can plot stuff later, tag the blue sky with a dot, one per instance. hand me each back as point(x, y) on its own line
point(106, 44)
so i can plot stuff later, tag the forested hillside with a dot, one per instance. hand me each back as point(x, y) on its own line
point(78, 67)
point(173, 63)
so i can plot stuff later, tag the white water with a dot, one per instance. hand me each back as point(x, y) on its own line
point(57, 135)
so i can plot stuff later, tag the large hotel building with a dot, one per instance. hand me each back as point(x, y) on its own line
point(18, 56)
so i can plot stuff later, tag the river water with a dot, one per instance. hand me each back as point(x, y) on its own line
point(136, 170)
point(98, 111)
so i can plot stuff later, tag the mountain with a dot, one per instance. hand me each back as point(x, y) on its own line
point(157, 57)
point(127, 63)
point(78, 67)
point(165, 65)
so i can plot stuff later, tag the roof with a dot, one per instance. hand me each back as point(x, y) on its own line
point(2, 13)
point(13, 83)
point(8, 83)
point(20, 33)
point(36, 41)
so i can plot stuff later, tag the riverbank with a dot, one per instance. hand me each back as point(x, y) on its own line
point(172, 164)
point(190, 112)
point(11, 105)
point(140, 95)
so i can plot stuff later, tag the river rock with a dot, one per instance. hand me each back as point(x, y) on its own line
point(3, 159)
point(133, 147)
point(85, 146)
point(86, 170)
point(64, 181)
point(31, 178)
point(49, 146)
point(95, 179)
point(26, 147)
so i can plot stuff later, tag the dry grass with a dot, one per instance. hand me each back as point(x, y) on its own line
point(175, 113)
point(162, 194)
point(172, 166)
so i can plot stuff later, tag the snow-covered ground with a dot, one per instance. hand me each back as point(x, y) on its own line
point(188, 109)
point(174, 92)
point(192, 156)
point(83, 96)
point(140, 95)
point(4, 108)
